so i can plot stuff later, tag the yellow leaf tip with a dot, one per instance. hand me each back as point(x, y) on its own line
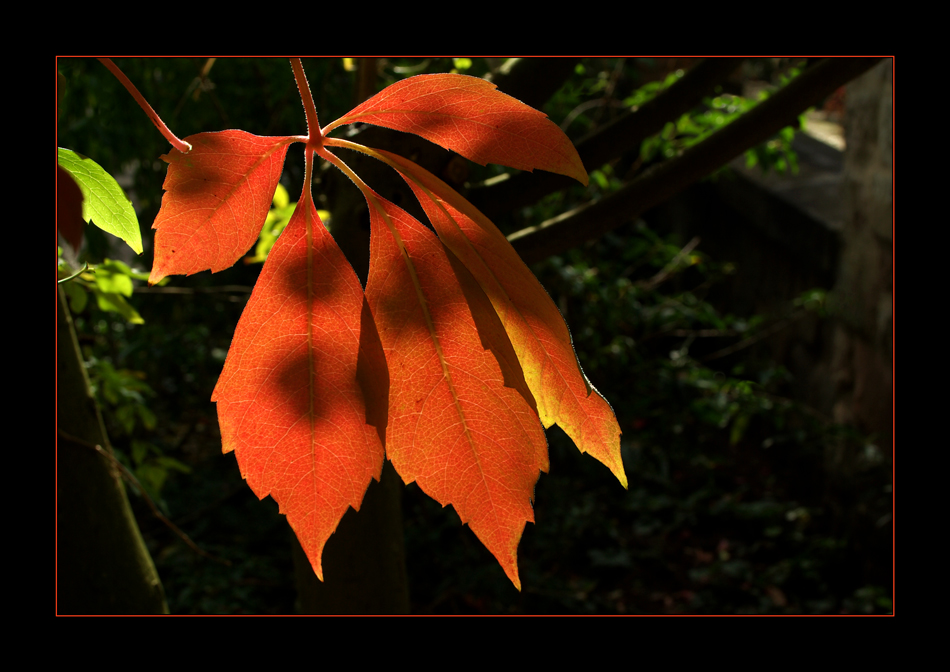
point(515, 579)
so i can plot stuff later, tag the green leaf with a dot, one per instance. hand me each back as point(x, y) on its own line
point(147, 417)
point(281, 197)
point(116, 303)
point(113, 276)
point(104, 202)
point(172, 463)
point(140, 450)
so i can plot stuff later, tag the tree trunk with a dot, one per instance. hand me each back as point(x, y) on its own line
point(364, 562)
point(102, 564)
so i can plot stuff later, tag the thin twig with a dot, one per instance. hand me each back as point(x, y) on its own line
point(746, 342)
point(583, 107)
point(670, 267)
point(85, 267)
point(220, 289)
point(130, 477)
point(203, 83)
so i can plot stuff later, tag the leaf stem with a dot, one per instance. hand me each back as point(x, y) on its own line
point(370, 195)
point(314, 133)
point(335, 160)
point(85, 267)
point(363, 149)
point(130, 477)
point(180, 145)
point(306, 194)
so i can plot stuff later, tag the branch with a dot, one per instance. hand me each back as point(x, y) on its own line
point(533, 80)
point(130, 477)
point(666, 179)
point(622, 135)
point(660, 277)
point(746, 342)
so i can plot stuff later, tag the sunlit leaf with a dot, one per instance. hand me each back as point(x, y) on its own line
point(470, 116)
point(216, 199)
point(290, 403)
point(104, 203)
point(461, 422)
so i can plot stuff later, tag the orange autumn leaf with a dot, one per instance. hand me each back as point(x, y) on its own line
point(468, 115)
point(291, 404)
point(537, 331)
point(459, 425)
point(448, 364)
point(216, 199)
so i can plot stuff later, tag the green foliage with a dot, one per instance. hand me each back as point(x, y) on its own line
point(122, 395)
point(277, 218)
point(152, 467)
point(461, 64)
point(104, 203)
point(122, 392)
point(719, 111)
point(109, 282)
point(602, 89)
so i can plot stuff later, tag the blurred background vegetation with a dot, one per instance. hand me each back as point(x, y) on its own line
point(727, 509)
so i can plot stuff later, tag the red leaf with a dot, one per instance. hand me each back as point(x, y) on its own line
point(69, 199)
point(216, 200)
point(291, 400)
point(459, 421)
point(470, 116)
point(535, 326)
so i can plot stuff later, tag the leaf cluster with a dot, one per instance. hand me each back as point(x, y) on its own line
point(684, 471)
point(109, 282)
point(500, 368)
